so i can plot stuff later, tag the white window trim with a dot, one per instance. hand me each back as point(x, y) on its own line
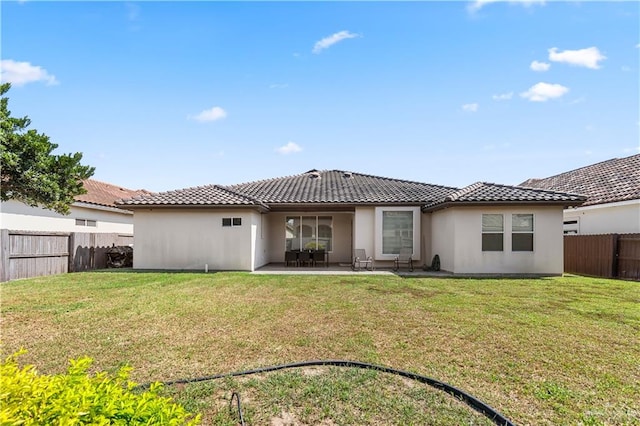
point(533, 233)
point(378, 231)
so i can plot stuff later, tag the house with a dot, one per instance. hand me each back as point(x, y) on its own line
point(483, 228)
point(94, 211)
point(612, 189)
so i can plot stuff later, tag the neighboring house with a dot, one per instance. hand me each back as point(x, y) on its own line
point(612, 188)
point(483, 228)
point(94, 211)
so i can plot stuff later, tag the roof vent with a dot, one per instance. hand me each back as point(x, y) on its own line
point(313, 174)
point(347, 175)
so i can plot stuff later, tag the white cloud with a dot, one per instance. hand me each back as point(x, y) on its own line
point(289, 148)
point(542, 92)
point(327, 42)
point(589, 57)
point(503, 96)
point(213, 114)
point(470, 107)
point(479, 4)
point(539, 66)
point(21, 73)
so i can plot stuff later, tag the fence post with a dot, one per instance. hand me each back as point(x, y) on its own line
point(616, 256)
point(72, 252)
point(4, 255)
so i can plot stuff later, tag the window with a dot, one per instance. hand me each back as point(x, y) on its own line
point(228, 221)
point(492, 232)
point(308, 232)
point(86, 222)
point(397, 231)
point(522, 232)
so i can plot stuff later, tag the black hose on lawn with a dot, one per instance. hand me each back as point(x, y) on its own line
point(468, 399)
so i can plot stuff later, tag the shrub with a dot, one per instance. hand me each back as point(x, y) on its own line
point(79, 398)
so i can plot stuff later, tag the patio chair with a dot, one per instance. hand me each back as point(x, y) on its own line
point(319, 256)
point(290, 256)
point(360, 258)
point(404, 257)
point(304, 257)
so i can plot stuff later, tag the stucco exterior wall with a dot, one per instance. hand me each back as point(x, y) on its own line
point(275, 244)
point(443, 238)
point(21, 217)
point(425, 241)
point(364, 230)
point(189, 239)
point(613, 218)
point(457, 238)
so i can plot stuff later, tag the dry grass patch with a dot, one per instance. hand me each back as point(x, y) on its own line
point(541, 351)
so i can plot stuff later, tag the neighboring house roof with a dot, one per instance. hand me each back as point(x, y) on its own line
point(210, 195)
point(105, 194)
point(344, 188)
point(482, 193)
point(610, 181)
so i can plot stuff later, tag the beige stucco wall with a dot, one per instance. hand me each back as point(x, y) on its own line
point(457, 238)
point(364, 229)
point(189, 239)
point(614, 218)
point(21, 217)
point(275, 231)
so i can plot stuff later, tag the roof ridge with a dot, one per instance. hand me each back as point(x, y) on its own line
point(239, 194)
point(463, 191)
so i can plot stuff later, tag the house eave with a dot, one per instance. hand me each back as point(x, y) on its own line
point(449, 204)
point(85, 205)
point(261, 209)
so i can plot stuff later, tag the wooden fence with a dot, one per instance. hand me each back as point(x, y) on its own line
point(25, 254)
point(610, 255)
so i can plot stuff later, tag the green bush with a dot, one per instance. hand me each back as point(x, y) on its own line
point(79, 398)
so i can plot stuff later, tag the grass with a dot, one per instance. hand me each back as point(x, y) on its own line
point(540, 351)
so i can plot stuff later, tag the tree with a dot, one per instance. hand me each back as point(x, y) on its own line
point(30, 173)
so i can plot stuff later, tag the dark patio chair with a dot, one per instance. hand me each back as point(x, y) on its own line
point(319, 256)
point(290, 256)
point(304, 258)
point(403, 258)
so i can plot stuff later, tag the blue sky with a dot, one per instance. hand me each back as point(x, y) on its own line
point(167, 95)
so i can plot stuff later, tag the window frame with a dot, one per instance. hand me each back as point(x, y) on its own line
point(486, 248)
point(379, 214)
point(299, 222)
point(516, 233)
point(230, 222)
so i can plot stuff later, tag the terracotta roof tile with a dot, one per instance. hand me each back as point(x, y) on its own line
point(610, 181)
point(106, 194)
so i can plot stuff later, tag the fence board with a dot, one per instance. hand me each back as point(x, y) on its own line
point(609, 256)
point(31, 254)
point(629, 256)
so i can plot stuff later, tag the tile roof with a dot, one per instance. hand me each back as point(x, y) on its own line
point(106, 194)
point(609, 181)
point(340, 187)
point(209, 195)
point(337, 186)
point(491, 193)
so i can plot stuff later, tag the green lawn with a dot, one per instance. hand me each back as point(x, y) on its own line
point(540, 351)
